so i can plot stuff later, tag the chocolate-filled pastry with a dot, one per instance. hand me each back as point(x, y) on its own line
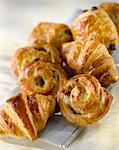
point(113, 11)
point(83, 101)
point(42, 52)
point(54, 33)
point(95, 24)
point(42, 78)
point(25, 116)
point(91, 58)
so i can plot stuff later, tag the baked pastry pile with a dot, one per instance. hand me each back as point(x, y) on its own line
point(43, 77)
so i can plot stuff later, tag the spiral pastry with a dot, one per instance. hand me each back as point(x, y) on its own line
point(42, 78)
point(25, 116)
point(113, 11)
point(83, 101)
point(42, 52)
point(91, 58)
point(95, 24)
point(53, 33)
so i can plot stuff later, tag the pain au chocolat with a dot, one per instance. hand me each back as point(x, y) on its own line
point(95, 24)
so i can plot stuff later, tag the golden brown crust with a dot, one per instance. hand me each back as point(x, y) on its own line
point(7, 126)
point(17, 103)
point(95, 24)
point(42, 52)
point(40, 108)
point(113, 11)
point(25, 116)
point(83, 101)
point(54, 33)
point(42, 78)
point(91, 58)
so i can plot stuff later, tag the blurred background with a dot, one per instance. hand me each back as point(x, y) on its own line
point(19, 17)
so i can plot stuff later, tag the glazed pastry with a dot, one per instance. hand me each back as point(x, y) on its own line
point(95, 24)
point(42, 78)
point(53, 33)
point(83, 101)
point(91, 58)
point(113, 11)
point(25, 117)
point(42, 52)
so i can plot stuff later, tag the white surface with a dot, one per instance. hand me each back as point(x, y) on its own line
point(17, 18)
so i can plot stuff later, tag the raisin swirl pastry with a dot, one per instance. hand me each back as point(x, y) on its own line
point(54, 33)
point(95, 24)
point(42, 52)
point(113, 11)
point(42, 78)
point(91, 58)
point(25, 116)
point(83, 101)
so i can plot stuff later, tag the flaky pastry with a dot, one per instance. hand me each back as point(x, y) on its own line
point(25, 116)
point(83, 101)
point(42, 52)
point(91, 58)
point(42, 78)
point(54, 33)
point(95, 24)
point(113, 11)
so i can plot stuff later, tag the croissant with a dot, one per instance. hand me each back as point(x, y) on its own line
point(53, 33)
point(113, 11)
point(42, 78)
point(83, 101)
point(25, 116)
point(95, 24)
point(42, 52)
point(91, 58)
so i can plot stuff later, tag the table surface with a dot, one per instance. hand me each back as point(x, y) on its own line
point(16, 22)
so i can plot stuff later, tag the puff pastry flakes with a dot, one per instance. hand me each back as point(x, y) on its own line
point(95, 24)
point(54, 33)
point(91, 58)
point(113, 11)
point(83, 101)
point(42, 52)
point(25, 117)
point(43, 78)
